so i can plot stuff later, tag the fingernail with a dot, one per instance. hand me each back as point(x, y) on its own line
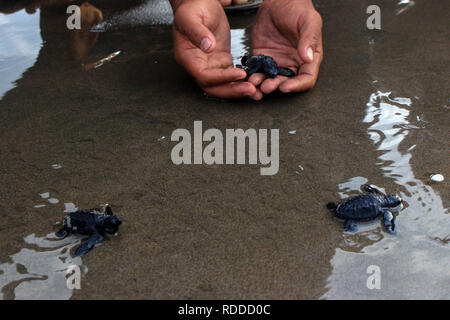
point(205, 44)
point(242, 75)
point(310, 53)
point(285, 90)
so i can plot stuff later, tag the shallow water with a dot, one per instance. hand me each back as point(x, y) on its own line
point(87, 119)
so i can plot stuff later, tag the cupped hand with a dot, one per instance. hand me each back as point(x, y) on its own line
point(201, 36)
point(290, 31)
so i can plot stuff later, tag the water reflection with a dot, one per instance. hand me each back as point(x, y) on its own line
point(238, 46)
point(152, 12)
point(19, 47)
point(39, 270)
point(390, 125)
point(404, 5)
point(414, 264)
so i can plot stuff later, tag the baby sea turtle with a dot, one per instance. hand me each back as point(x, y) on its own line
point(367, 207)
point(264, 64)
point(94, 222)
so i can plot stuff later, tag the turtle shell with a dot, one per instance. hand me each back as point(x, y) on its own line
point(362, 207)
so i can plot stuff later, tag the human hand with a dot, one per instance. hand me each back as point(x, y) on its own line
point(290, 31)
point(201, 35)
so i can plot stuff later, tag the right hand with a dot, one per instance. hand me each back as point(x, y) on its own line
point(201, 35)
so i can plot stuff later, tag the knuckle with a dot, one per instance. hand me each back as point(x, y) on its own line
point(317, 18)
point(203, 82)
point(312, 83)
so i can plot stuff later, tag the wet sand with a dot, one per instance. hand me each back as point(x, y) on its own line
point(222, 231)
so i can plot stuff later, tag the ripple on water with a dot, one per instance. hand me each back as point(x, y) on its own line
point(415, 263)
point(39, 270)
point(149, 13)
point(19, 47)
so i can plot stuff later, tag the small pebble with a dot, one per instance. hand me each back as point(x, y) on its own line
point(39, 206)
point(292, 131)
point(56, 166)
point(437, 177)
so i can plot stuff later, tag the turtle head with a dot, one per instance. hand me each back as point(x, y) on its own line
point(106, 209)
point(111, 224)
point(393, 202)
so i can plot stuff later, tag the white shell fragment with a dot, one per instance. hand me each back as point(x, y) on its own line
point(45, 195)
point(69, 207)
point(53, 200)
point(437, 177)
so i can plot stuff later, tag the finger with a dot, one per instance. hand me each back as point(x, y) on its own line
point(256, 79)
point(191, 26)
point(310, 36)
point(306, 78)
point(233, 90)
point(308, 73)
point(258, 95)
point(225, 2)
point(271, 84)
point(213, 77)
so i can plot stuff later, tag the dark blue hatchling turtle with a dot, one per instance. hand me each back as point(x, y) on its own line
point(94, 222)
point(264, 64)
point(367, 207)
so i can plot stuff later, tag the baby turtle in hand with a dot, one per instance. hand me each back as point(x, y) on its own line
point(367, 207)
point(94, 222)
point(264, 64)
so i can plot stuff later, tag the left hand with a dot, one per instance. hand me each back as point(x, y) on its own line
point(290, 31)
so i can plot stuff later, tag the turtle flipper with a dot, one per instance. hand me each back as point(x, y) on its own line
point(389, 222)
point(252, 66)
point(89, 244)
point(251, 71)
point(350, 225)
point(373, 190)
point(62, 233)
point(285, 72)
point(332, 206)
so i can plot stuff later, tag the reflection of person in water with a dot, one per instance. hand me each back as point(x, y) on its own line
point(290, 31)
point(81, 41)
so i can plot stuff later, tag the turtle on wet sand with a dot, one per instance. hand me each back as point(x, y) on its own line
point(264, 64)
point(93, 222)
point(368, 207)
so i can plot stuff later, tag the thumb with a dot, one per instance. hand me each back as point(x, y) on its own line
point(191, 26)
point(310, 35)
